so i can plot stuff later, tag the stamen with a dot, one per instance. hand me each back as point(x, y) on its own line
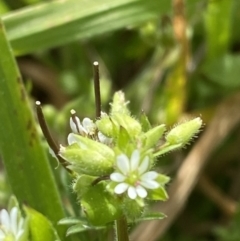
point(53, 145)
point(97, 89)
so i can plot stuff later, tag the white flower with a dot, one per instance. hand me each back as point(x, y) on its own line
point(133, 176)
point(87, 127)
point(11, 227)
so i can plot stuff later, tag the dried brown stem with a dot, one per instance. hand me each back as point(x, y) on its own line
point(225, 203)
point(97, 89)
point(52, 144)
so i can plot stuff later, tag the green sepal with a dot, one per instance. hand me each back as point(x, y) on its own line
point(82, 184)
point(153, 136)
point(100, 206)
point(88, 156)
point(146, 126)
point(123, 140)
point(184, 132)
point(40, 227)
point(133, 209)
point(107, 126)
point(132, 126)
point(167, 148)
point(158, 194)
point(119, 105)
point(162, 179)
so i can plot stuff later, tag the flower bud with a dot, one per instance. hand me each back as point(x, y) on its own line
point(151, 137)
point(132, 126)
point(119, 105)
point(87, 156)
point(183, 133)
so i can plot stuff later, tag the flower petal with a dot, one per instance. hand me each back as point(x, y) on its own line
point(135, 158)
point(149, 176)
point(4, 218)
point(88, 126)
point(132, 192)
point(150, 184)
point(117, 177)
point(144, 165)
point(121, 188)
point(123, 164)
point(71, 139)
point(13, 220)
point(75, 125)
point(141, 191)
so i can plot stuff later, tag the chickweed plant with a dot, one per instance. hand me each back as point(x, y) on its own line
point(112, 161)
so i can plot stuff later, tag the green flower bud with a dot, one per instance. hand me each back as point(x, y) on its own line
point(119, 105)
point(88, 156)
point(132, 126)
point(100, 206)
point(183, 133)
point(151, 137)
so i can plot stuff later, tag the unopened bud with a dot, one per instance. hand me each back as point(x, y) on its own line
point(183, 133)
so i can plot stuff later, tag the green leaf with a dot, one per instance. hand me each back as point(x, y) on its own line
point(78, 228)
point(223, 71)
point(25, 161)
point(59, 22)
point(218, 27)
point(40, 227)
point(151, 216)
point(72, 220)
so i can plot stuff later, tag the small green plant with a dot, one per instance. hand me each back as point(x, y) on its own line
point(112, 160)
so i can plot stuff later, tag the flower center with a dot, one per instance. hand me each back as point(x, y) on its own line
point(133, 179)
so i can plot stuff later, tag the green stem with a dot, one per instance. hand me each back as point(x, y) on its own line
point(121, 229)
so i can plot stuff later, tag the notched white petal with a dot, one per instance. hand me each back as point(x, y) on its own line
point(135, 158)
point(144, 165)
point(132, 192)
point(121, 188)
point(141, 191)
point(117, 177)
point(71, 139)
point(13, 218)
point(150, 184)
point(88, 126)
point(5, 220)
point(149, 175)
point(123, 164)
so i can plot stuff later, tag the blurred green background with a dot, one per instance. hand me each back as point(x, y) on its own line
point(174, 59)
